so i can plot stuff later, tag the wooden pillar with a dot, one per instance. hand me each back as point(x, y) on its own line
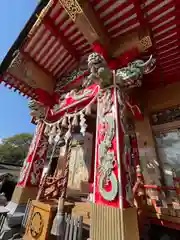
point(111, 214)
point(31, 172)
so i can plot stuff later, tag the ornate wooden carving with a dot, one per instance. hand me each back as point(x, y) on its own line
point(55, 187)
point(51, 188)
point(19, 69)
point(145, 43)
point(36, 225)
point(72, 7)
point(87, 21)
point(165, 116)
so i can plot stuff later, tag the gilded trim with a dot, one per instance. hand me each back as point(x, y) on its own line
point(145, 43)
point(72, 7)
point(40, 18)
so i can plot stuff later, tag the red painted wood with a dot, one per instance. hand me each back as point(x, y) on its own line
point(38, 51)
point(70, 104)
point(60, 36)
point(124, 26)
point(30, 166)
point(159, 188)
point(26, 54)
point(162, 19)
point(98, 197)
point(165, 223)
point(51, 54)
point(118, 19)
point(59, 61)
point(58, 13)
point(164, 27)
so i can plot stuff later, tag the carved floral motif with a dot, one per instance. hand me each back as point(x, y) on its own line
point(145, 43)
point(69, 79)
point(72, 7)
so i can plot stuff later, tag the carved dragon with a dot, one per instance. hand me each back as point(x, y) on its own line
point(126, 77)
point(100, 73)
point(107, 158)
point(132, 75)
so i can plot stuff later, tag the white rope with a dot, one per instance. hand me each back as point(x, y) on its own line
point(70, 115)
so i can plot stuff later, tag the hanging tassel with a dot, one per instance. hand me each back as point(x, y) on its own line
point(67, 135)
point(88, 110)
point(64, 122)
point(75, 121)
point(57, 138)
point(83, 124)
point(58, 226)
point(82, 116)
point(83, 129)
point(50, 140)
point(53, 131)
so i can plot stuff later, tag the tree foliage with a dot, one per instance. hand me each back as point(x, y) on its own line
point(13, 150)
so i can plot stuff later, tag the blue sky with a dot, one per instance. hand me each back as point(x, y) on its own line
point(14, 113)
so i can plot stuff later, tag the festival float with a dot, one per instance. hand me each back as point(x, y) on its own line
point(102, 80)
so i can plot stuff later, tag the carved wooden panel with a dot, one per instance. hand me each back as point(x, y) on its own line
point(80, 163)
point(165, 116)
point(27, 71)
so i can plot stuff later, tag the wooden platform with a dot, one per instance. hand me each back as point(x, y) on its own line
point(82, 209)
point(40, 219)
point(168, 217)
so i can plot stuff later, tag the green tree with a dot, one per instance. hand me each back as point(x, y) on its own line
point(13, 150)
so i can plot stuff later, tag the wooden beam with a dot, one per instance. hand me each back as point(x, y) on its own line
point(48, 22)
point(140, 16)
point(29, 58)
point(124, 43)
point(83, 15)
point(141, 39)
point(86, 19)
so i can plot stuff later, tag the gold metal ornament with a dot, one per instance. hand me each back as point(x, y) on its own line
point(145, 43)
point(72, 7)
